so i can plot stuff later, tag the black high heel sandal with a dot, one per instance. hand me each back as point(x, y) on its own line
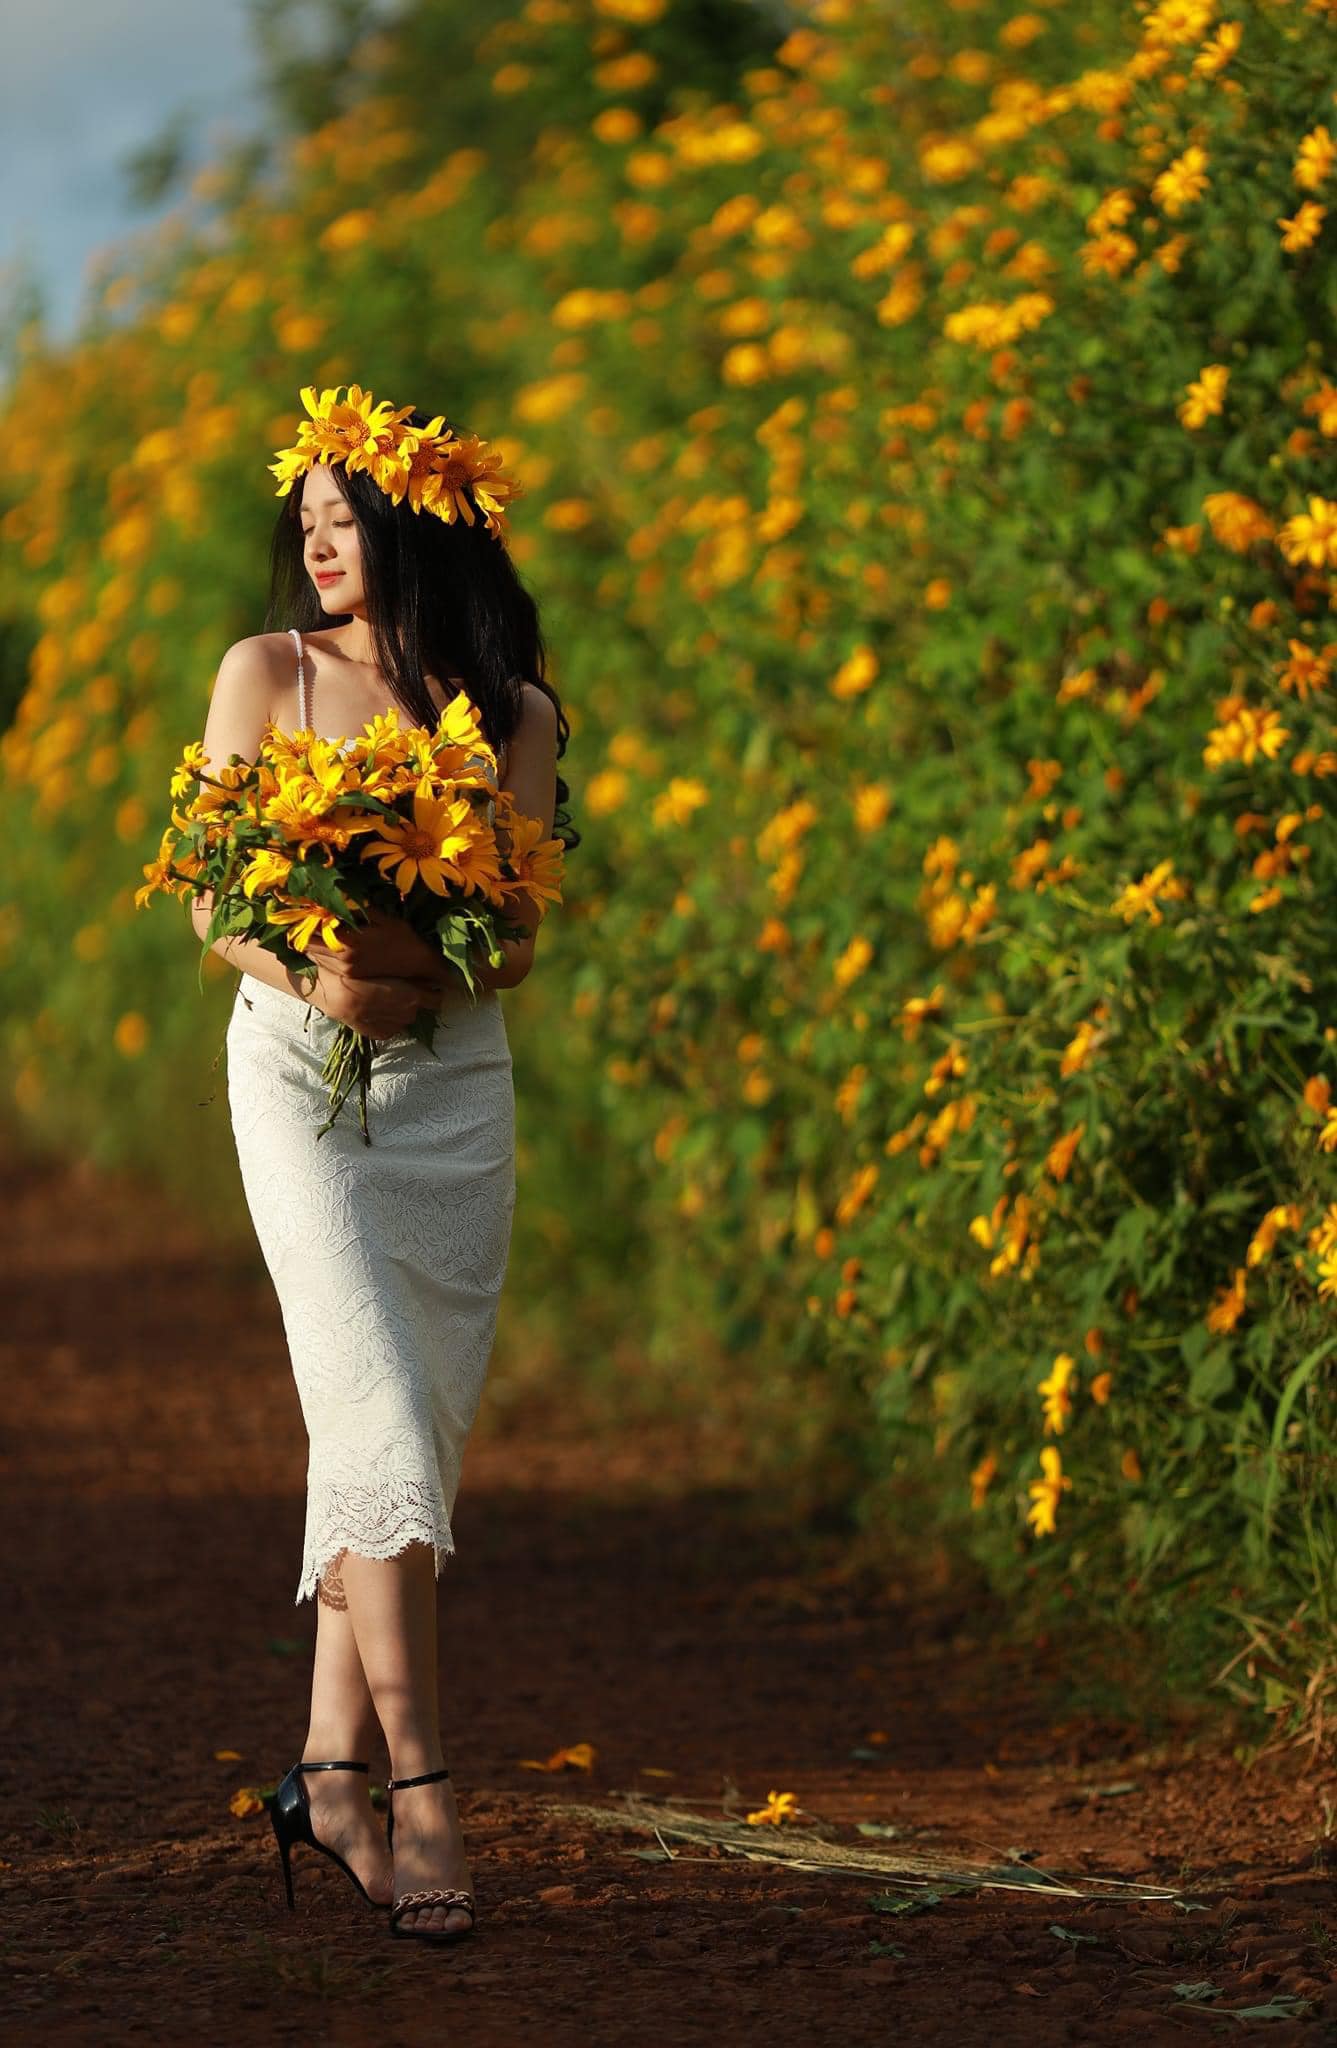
point(290, 1811)
point(435, 1896)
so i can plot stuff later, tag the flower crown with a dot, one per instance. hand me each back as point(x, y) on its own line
point(431, 466)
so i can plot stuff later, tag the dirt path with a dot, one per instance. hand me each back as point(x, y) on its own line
point(625, 1596)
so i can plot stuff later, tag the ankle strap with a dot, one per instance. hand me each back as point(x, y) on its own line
point(427, 1778)
point(332, 1767)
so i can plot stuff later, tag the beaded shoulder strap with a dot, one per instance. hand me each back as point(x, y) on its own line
point(302, 715)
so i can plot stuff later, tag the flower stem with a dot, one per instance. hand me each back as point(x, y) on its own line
point(348, 1063)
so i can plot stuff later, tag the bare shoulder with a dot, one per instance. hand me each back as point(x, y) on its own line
point(531, 750)
point(531, 758)
point(255, 663)
point(538, 716)
point(242, 697)
point(276, 649)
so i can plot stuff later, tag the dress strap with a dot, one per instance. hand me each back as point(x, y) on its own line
point(302, 714)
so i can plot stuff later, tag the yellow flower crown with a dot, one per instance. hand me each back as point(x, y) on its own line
point(430, 466)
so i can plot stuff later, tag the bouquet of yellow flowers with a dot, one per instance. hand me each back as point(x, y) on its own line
point(313, 835)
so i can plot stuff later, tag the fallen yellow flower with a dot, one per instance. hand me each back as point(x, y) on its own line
point(778, 1807)
point(580, 1756)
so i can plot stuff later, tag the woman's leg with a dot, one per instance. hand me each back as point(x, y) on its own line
point(392, 1604)
point(342, 1727)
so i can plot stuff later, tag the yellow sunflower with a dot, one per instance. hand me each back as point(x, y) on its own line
point(358, 432)
point(411, 469)
point(440, 844)
point(382, 739)
point(209, 798)
point(266, 870)
point(303, 920)
point(538, 862)
point(292, 463)
point(302, 809)
point(461, 464)
point(193, 763)
point(460, 726)
point(157, 872)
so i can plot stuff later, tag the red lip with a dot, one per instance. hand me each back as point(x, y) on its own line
point(332, 577)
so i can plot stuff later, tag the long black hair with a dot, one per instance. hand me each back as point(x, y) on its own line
point(443, 598)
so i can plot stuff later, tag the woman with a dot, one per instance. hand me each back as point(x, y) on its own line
point(391, 574)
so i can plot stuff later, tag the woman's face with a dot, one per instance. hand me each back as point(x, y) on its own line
point(331, 549)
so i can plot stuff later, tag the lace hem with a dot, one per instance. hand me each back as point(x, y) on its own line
point(379, 1526)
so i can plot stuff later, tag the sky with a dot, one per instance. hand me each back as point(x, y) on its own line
point(82, 84)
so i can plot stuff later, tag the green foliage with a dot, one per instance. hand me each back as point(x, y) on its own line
point(951, 729)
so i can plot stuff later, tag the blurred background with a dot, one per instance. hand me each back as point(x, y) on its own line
point(924, 413)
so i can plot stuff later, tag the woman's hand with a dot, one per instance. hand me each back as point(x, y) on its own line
point(384, 946)
point(379, 1007)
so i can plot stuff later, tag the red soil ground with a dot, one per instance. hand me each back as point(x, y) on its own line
point(632, 1595)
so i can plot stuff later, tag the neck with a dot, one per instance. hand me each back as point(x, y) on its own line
point(355, 640)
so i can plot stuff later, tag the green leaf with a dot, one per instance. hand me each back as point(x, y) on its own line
point(315, 881)
point(1275, 1694)
point(1281, 2006)
point(1213, 1375)
point(424, 1028)
point(1123, 1246)
point(892, 1902)
point(232, 917)
point(1290, 1395)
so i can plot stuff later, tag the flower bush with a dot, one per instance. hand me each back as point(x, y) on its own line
point(937, 416)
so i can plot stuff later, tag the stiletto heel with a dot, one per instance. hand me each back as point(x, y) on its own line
point(435, 1896)
point(290, 1811)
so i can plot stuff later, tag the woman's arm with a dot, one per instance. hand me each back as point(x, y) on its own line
point(519, 959)
point(249, 955)
point(372, 1004)
point(531, 778)
point(239, 711)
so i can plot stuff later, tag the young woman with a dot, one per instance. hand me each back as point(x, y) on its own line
point(390, 572)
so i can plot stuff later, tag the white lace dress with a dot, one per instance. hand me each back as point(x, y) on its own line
point(388, 1259)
